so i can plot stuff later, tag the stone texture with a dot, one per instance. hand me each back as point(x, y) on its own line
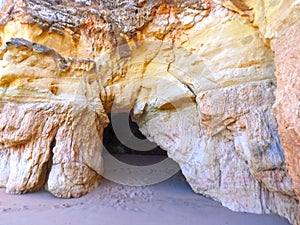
point(287, 105)
point(44, 126)
point(271, 17)
point(198, 78)
point(228, 147)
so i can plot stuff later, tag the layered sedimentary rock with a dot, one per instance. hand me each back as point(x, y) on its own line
point(287, 106)
point(198, 78)
point(43, 129)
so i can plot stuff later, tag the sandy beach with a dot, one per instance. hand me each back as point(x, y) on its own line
point(170, 202)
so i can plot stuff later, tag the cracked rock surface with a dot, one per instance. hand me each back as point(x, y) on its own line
point(287, 105)
point(197, 77)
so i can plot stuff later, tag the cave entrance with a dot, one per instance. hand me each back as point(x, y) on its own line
point(118, 142)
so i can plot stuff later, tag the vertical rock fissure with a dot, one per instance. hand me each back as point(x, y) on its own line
point(49, 163)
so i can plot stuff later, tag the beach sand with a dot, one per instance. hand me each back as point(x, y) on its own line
point(171, 202)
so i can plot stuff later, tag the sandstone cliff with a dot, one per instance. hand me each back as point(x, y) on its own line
point(287, 106)
point(197, 76)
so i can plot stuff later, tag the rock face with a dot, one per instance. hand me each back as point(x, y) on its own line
point(287, 106)
point(197, 76)
point(43, 129)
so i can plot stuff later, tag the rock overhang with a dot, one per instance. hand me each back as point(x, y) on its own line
point(178, 63)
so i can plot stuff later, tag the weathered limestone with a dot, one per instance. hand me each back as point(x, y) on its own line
point(198, 78)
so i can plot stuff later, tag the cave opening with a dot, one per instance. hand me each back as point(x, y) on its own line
point(119, 142)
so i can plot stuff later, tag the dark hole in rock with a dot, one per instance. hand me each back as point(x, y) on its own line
point(122, 150)
point(49, 163)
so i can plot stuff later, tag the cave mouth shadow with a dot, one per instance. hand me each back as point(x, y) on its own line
point(126, 154)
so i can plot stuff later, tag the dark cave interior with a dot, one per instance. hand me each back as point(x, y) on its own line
point(120, 150)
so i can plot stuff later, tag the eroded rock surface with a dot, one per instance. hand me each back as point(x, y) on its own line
point(198, 78)
point(43, 129)
point(287, 106)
